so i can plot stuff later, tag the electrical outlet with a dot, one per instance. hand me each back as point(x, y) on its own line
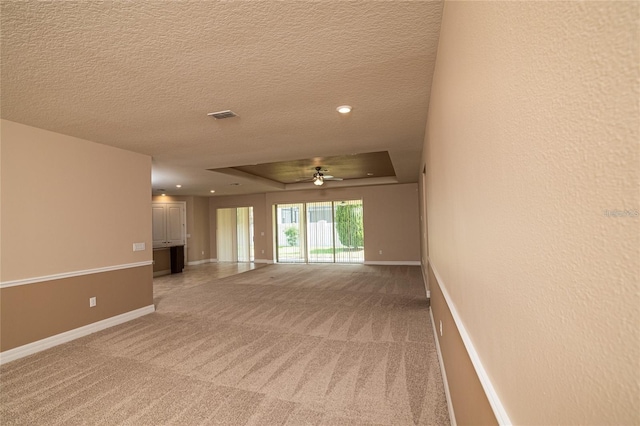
point(262, 251)
point(92, 302)
point(138, 246)
point(440, 328)
point(380, 252)
point(203, 252)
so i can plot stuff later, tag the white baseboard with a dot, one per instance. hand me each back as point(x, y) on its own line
point(425, 280)
point(199, 262)
point(67, 336)
point(494, 400)
point(262, 261)
point(452, 414)
point(393, 262)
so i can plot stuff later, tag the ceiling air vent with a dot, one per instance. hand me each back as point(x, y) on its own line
point(222, 114)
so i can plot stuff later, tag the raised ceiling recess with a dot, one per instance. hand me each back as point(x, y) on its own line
point(347, 167)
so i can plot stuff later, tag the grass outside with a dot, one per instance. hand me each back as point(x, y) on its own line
point(343, 254)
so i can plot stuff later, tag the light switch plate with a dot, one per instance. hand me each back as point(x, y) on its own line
point(138, 246)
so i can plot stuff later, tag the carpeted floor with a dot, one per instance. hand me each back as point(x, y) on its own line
point(278, 345)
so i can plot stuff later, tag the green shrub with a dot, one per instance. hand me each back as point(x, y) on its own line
point(292, 235)
point(349, 225)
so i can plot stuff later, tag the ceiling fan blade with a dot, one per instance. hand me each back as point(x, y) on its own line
point(331, 178)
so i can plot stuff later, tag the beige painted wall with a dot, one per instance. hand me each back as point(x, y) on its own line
point(470, 402)
point(532, 137)
point(390, 217)
point(32, 312)
point(69, 205)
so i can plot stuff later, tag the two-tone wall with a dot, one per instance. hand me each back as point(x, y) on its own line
point(71, 211)
point(391, 218)
point(532, 190)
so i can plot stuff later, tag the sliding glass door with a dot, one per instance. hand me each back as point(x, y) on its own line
point(349, 231)
point(234, 231)
point(320, 232)
point(290, 233)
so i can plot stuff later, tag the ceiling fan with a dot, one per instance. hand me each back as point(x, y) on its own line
point(318, 177)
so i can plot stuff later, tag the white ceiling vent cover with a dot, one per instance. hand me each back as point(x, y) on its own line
point(227, 113)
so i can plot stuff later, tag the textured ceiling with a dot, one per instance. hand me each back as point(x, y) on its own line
point(143, 75)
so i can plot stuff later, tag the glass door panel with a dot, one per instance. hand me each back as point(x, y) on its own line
point(320, 241)
point(290, 233)
point(349, 231)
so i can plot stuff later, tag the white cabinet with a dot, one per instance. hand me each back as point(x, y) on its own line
point(168, 224)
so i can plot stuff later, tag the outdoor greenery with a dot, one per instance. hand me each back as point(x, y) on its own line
point(292, 235)
point(348, 218)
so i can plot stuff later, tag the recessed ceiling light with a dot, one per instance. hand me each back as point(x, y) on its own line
point(164, 195)
point(344, 109)
point(369, 174)
point(212, 191)
point(178, 186)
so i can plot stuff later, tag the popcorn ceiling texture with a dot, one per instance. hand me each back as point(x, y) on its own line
point(532, 137)
point(143, 75)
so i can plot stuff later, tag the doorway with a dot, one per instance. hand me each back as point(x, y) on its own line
point(320, 232)
point(234, 234)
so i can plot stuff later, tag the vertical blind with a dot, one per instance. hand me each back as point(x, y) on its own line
point(320, 232)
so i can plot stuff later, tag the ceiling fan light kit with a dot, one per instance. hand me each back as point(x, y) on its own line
point(319, 177)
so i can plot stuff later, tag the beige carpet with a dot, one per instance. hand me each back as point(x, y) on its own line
point(279, 345)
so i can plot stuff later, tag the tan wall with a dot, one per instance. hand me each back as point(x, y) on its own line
point(70, 205)
point(532, 136)
point(161, 260)
point(470, 403)
point(201, 238)
point(390, 218)
point(36, 311)
point(197, 216)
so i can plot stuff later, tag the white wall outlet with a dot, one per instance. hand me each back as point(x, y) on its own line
point(188, 235)
point(440, 328)
point(380, 252)
point(138, 246)
point(262, 251)
point(92, 302)
point(203, 252)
